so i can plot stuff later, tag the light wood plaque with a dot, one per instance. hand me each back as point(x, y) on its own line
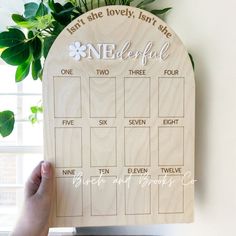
point(119, 118)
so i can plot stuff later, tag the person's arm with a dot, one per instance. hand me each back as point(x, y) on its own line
point(34, 218)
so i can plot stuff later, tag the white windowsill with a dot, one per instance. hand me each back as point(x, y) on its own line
point(53, 232)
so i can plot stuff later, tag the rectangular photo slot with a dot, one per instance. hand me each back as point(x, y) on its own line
point(171, 97)
point(137, 97)
point(69, 199)
point(68, 147)
point(103, 196)
point(137, 196)
point(171, 146)
point(67, 97)
point(170, 194)
point(103, 147)
point(137, 146)
point(102, 97)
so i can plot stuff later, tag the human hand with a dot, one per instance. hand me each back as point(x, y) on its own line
point(34, 220)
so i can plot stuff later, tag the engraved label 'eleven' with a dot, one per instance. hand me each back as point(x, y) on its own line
point(110, 51)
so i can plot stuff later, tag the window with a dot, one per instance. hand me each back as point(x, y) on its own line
point(22, 150)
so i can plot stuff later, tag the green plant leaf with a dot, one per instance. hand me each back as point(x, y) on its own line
point(1, 50)
point(79, 9)
point(22, 71)
point(40, 109)
point(158, 12)
point(44, 22)
point(55, 6)
point(144, 3)
point(57, 28)
point(63, 14)
point(128, 2)
point(23, 22)
point(7, 121)
point(58, 7)
point(47, 45)
point(51, 4)
point(18, 18)
point(17, 54)
point(36, 69)
point(33, 119)
point(11, 38)
point(64, 18)
point(30, 9)
point(36, 48)
point(42, 10)
point(192, 60)
point(30, 34)
point(34, 109)
point(69, 5)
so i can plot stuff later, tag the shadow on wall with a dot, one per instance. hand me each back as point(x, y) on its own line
point(157, 230)
point(202, 137)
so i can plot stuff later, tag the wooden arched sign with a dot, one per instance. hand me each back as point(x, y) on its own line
point(119, 105)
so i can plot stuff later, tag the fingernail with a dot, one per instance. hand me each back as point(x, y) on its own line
point(45, 169)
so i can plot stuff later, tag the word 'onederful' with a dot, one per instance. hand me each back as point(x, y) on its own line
point(110, 51)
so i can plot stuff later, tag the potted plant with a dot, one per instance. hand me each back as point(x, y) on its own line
point(26, 44)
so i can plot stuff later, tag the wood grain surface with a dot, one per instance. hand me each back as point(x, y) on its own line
point(119, 119)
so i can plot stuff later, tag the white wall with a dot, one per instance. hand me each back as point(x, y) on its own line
point(208, 29)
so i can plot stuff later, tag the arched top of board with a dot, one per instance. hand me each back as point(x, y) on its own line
point(119, 100)
point(121, 35)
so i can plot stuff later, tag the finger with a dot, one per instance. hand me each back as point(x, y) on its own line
point(33, 181)
point(45, 188)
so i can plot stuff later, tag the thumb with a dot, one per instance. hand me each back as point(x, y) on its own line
point(45, 188)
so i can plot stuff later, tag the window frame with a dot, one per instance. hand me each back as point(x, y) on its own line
point(19, 148)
